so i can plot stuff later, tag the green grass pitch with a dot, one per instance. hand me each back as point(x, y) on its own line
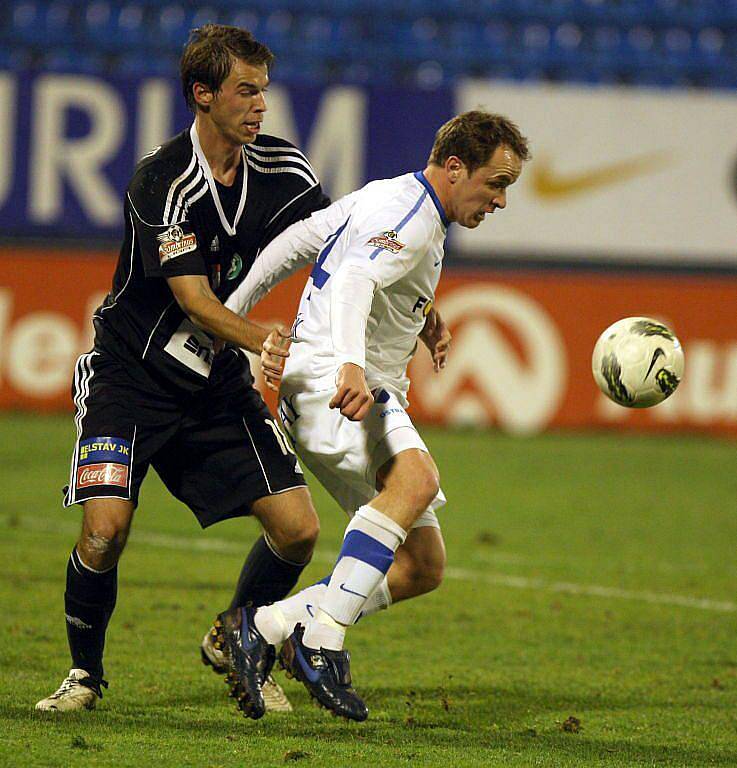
point(588, 618)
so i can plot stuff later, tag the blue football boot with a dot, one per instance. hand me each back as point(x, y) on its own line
point(326, 674)
point(250, 658)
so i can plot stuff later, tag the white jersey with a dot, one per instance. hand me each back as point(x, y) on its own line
point(377, 257)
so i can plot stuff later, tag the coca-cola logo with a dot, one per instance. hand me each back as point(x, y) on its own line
point(102, 474)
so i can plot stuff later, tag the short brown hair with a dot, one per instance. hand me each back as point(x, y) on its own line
point(474, 137)
point(208, 56)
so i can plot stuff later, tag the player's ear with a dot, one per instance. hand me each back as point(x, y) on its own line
point(453, 167)
point(203, 96)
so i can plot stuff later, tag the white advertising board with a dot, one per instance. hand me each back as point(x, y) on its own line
point(628, 174)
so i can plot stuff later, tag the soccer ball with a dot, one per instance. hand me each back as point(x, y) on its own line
point(637, 362)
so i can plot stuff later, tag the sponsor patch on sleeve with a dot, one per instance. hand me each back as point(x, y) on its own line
point(103, 461)
point(388, 241)
point(100, 449)
point(174, 242)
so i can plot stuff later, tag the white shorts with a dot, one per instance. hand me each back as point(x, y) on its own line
point(345, 455)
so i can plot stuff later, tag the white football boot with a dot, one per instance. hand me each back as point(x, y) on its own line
point(274, 697)
point(78, 691)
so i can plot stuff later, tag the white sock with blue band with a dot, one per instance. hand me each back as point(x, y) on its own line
point(367, 553)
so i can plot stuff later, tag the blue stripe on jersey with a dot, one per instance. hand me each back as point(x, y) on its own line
point(399, 226)
point(420, 176)
point(363, 547)
point(319, 275)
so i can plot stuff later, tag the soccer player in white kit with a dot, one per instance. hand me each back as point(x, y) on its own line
point(377, 257)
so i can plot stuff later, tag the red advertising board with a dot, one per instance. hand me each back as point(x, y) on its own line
point(521, 352)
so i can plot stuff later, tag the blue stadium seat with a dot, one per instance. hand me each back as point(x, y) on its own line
point(42, 23)
point(171, 24)
point(74, 60)
point(653, 42)
point(114, 26)
point(15, 59)
point(138, 65)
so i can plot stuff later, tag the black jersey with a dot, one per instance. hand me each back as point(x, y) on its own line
point(180, 221)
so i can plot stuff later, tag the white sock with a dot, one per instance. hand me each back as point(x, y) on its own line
point(380, 600)
point(276, 622)
point(324, 632)
point(367, 553)
point(272, 624)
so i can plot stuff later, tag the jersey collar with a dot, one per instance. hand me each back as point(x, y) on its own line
point(420, 176)
point(230, 229)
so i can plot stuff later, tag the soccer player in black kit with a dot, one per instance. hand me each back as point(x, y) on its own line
point(166, 384)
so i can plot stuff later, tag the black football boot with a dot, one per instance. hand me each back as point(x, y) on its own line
point(326, 674)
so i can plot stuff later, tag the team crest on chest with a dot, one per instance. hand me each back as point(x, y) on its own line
point(175, 243)
point(236, 265)
point(388, 241)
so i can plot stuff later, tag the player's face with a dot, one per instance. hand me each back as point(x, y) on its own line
point(237, 109)
point(474, 196)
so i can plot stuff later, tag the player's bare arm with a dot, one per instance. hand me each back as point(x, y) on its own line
point(204, 309)
point(352, 394)
point(436, 337)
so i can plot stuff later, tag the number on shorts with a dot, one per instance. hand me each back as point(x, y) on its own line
point(281, 439)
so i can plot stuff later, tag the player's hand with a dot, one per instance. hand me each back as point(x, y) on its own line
point(352, 396)
point(436, 337)
point(274, 353)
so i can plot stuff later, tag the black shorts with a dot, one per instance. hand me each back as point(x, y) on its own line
point(215, 452)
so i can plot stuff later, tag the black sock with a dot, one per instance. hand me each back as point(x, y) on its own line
point(88, 604)
point(266, 577)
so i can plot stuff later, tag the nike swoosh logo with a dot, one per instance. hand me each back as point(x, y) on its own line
point(551, 185)
point(309, 610)
point(658, 353)
point(351, 592)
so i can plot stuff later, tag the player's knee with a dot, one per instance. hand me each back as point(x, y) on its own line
point(297, 540)
point(101, 546)
point(104, 534)
point(306, 536)
point(425, 487)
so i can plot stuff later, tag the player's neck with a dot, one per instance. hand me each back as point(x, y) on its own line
point(438, 180)
point(222, 155)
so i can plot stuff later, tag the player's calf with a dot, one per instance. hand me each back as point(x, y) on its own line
point(419, 564)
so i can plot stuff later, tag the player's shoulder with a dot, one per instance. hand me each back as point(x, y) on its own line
point(265, 142)
point(279, 160)
point(395, 203)
point(163, 176)
point(166, 161)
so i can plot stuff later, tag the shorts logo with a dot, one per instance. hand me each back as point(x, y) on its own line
point(388, 241)
point(175, 243)
point(102, 474)
point(97, 450)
